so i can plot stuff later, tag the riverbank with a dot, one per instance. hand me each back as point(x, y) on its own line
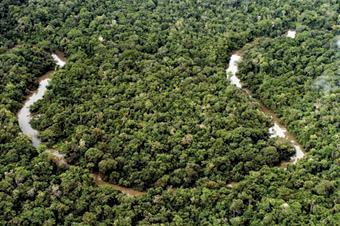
point(24, 118)
point(278, 129)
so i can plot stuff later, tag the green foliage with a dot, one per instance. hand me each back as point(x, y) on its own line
point(144, 100)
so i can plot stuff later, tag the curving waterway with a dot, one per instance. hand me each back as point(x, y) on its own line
point(24, 119)
point(277, 130)
point(24, 115)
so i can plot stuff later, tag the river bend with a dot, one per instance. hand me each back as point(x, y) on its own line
point(24, 119)
point(277, 130)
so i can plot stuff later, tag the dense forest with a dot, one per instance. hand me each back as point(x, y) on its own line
point(145, 102)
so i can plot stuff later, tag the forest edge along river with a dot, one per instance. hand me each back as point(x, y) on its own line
point(24, 118)
point(277, 130)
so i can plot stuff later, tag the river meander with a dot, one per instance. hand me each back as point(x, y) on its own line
point(24, 118)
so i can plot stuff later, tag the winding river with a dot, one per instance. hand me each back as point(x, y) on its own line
point(24, 118)
point(24, 115)
point(277, 130)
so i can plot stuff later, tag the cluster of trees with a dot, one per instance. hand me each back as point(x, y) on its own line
point(8, 24)
point(145, 101)
point(301, 195)
point(21, 66)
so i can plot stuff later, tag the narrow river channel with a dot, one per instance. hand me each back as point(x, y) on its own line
point(24, 115)
point(24, 118)
point(277, 130)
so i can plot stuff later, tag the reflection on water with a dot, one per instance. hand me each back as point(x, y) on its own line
point(58, 59)
point(298, 152)
point(233, 69)
point(291, 34)
point(277, 131)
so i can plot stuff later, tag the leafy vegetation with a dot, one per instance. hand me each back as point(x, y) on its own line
point(145, 101)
